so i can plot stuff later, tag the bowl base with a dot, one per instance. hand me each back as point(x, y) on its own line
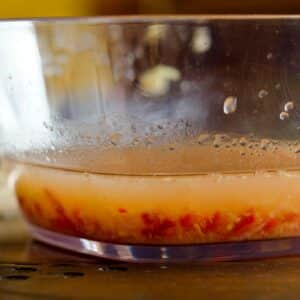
point(171, 253)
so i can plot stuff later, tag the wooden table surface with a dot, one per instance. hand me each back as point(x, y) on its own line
point(30, 270)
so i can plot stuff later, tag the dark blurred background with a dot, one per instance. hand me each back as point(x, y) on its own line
point(37, 8)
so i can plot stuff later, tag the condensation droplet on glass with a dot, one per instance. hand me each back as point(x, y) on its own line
point(156, 81)
point(284, 115)
point(230, 105)
point(202, 138)
point(264, 144)
point(263, 93)
point(289, 106)
point(243, 141)
point(219, 139)
point(202, 40)
point(277, 86)
point(269, 55)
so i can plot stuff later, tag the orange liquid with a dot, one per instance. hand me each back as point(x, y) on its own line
point(161, 209)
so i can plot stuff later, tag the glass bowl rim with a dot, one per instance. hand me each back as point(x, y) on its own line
point(155, 18)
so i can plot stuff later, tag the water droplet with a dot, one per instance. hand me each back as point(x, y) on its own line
point(277, 86)
point(263, 93)
point(115, 138)
point(289, 106)
point(284, 115)
point(203, 138)
point(157, 81)
point(48, 159)
point(230, 105)
point(269, 56)
point(219, 139)
point(243, 141)
point(264, 144)
point(52, 147)
point(202, 40)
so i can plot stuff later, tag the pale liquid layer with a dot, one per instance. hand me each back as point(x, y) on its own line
point(161, 209)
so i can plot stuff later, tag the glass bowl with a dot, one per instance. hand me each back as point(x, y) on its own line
point(167, 138)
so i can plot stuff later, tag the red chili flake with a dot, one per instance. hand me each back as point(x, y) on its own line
point(78, 222)
point(156, 227)
point(186, 221)
point(212, 224)
point(61, 221)
point(270, 225)
point(54, 201)
point(122, 210)
point(147, 219)
point(291, 217)
point(96, 227)
point(243, 224)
